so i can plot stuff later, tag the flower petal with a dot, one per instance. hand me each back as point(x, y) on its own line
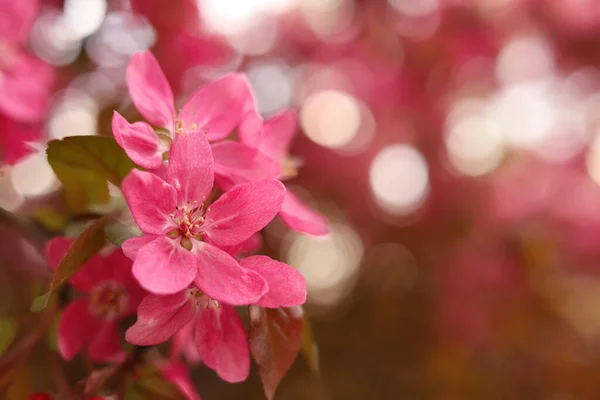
point(139, 141)
point(183, 344)
point(223, 343)
point(23, 99)
point(56, 248)
point(287, 287)
point(236, 163)
point(221, 277)
point(218, 107)
point(150, 200)
point(17, 18)
point(118, 267)
point(132, 245)
point(160, 317)
point(247, 247)
point(150, 90)
point(105, 345)
point(15, 140)
point(75, 328)
point(301, 218)
point(274, 137)
point(242, 211)
point(164, 267)
point(190, 168)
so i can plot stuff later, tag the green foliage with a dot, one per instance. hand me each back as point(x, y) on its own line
point(118, 232)
point(8, 331)
point(84, 165)
point(150, 384)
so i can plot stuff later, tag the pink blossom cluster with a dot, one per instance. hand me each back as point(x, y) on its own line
point(200, 202)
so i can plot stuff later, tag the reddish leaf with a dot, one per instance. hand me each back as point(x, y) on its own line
point(275, 339)
point(90, 242)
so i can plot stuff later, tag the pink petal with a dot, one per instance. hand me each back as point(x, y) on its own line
point(242, 211)
point(139, 141)
point(23, 99)
point(237, 163)
point(247, 247)
point(105, 345)
point(150, 199)
point(160, 317)
point(250, 130)
point(118, 267)
point(132, 245)
point(183, 344)
point(190, 168)
point(56, 248)
point(221, 277)
point(15, 139)
point(75, 328)
point(223, 343)
point(218, 107)
point(16, 18)
point(274, 137)
point(178, 373)
point(287, 287)
point(90, 274)
point(164, 267)
point(301, 218)
point(150, 90)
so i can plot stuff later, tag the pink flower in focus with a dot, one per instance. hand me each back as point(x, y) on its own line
point(273, 138)
point(215, 110)
point(111, 293)
point(183, 238)
point(219, 334)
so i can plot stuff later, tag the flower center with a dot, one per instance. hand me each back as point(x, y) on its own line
point(187, 219)
point(289, 167)
point(108, 300)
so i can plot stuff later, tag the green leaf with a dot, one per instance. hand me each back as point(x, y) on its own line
point(90, 242)
point(310, 351)
point(8, 331)
point(275, 338)
point(84, 164)
point(150, 384)
point(118, 232)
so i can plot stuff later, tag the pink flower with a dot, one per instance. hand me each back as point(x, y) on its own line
point(110, 293)
point(273, 138)
point(215, 110)
point(14, 139)
point(25, 80)
point(184, 236)
point(219, 334)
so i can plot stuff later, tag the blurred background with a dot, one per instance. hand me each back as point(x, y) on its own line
point(453, 145)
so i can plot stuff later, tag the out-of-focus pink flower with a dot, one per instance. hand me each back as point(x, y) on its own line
point(274, 138)
point(15, 138)
point(177, 373)
point(111, 293)
point(25, 80)
point(183, 239)
point(219, 333)
point(215, 110)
